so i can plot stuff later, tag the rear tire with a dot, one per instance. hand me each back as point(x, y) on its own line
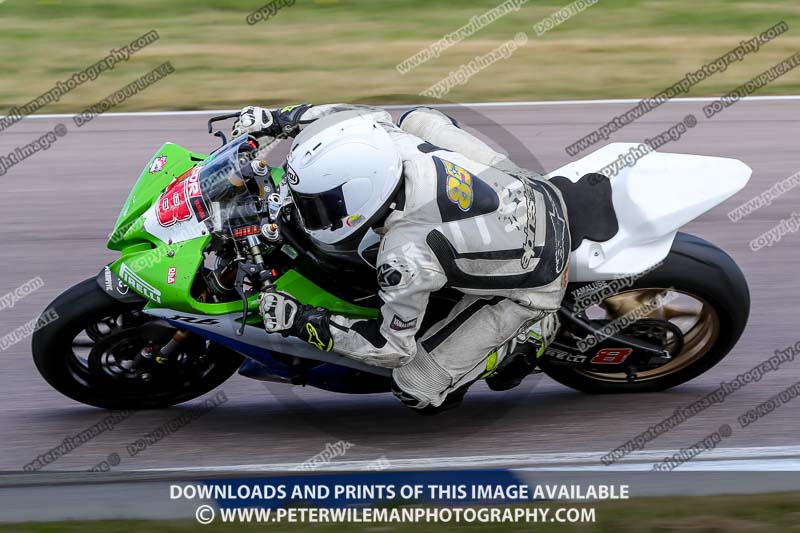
point(696, 267)
point(84, 306)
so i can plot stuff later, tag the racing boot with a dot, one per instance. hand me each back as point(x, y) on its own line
point(525, 351)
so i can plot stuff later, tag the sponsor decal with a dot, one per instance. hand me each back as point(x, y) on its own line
point(555, 218)
point(195, 320)
point(595, 286)
point(354, 220)
point(291, 176)
point(459, 185)
point(561, 355)
point(398, 324)
point(171, 275)
point(199, 208)
point(121, 287)
point(108, 282)
point(561, 235)
point(181, 201)
point(388, 276)
point(611, 356)
point(529, 227)
point(314, 339)
point(138, 284)
point(158, 164)
point(246, 231)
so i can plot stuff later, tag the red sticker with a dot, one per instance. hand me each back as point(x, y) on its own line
point(181, 199)
point(611, 356)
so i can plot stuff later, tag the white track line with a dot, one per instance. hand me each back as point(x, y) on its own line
point(474, 104)
point(756, 458)
point(735, 465)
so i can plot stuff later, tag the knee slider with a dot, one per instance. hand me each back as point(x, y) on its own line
point(407, 399)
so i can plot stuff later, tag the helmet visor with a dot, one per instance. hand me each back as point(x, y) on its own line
point(321, 210)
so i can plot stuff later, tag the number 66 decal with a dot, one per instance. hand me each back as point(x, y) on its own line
point(611, 356)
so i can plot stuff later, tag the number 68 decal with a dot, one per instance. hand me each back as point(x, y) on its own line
point(180, 201)
point(611, 356)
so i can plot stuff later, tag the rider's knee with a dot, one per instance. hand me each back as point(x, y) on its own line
point(420, 119)
point(407, 398)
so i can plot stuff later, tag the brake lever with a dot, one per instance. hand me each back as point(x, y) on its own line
point(217, 118)
point(221, 136)
point(252, 272)
point(244, 270)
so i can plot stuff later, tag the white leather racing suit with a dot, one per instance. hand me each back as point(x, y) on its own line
point(471, 220)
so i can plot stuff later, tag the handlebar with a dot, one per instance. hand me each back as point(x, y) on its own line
point(217, 118)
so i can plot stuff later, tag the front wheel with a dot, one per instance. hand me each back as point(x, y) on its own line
point(101, 352)
point(709, 303)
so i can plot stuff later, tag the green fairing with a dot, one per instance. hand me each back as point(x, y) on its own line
point(147, 188)
point(309, 293)
point(149, 257)
point(276, 173)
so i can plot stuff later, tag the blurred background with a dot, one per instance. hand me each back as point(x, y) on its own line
point(348, 50)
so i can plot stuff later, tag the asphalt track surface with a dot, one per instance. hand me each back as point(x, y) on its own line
point(58, 207)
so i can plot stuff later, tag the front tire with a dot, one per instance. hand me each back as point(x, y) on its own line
point(697, 268)
point(88, 318)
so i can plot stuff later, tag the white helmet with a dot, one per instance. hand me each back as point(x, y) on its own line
point(343, 170)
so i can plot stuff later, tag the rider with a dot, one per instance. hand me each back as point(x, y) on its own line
point(450, 212)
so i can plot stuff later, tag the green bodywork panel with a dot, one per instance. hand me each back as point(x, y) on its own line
point(276, 173)
point(148, 260)
point(310, 293)
point(147, 188)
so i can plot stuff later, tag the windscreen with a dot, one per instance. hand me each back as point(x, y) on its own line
point(232, 207)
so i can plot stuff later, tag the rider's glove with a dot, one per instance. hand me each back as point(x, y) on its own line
point(285, 315)
point(256, 121)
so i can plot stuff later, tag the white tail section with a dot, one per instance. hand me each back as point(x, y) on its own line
point(653, 198)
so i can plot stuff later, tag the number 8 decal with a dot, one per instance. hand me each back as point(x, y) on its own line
point(611, 356)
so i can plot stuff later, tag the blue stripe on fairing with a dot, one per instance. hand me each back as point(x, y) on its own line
point(326, 376)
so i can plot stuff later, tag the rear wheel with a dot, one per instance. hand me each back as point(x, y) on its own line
point(708, 303)
point(102, 352)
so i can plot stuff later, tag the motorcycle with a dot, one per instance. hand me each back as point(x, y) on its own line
point(647, 307)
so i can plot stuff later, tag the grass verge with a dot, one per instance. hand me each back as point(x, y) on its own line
point(707, 514)
point(348, 50)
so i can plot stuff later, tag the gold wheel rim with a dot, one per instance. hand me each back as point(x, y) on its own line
point(696, 318)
